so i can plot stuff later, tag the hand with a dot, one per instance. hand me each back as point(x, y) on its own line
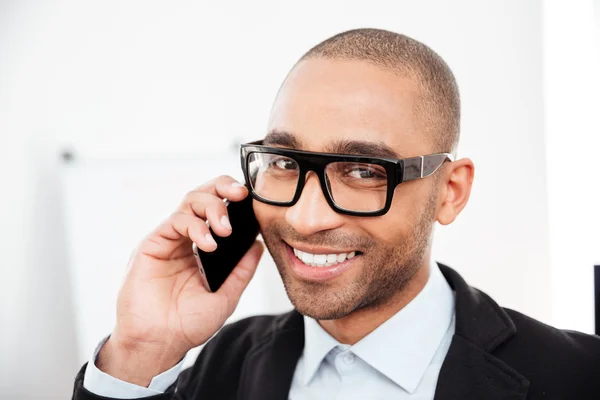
point(163, 309)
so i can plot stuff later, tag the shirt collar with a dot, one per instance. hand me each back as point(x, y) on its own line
point(317, 344)
point(403, 346)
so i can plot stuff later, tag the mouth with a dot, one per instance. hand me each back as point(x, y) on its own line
point(319, 263)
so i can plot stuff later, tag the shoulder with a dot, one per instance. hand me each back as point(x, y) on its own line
point(563, 343)
point(218, 367)
point(238, 339)
point(251, 332)
point(528, 345)
point(547, 354)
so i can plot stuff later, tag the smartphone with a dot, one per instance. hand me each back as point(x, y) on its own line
point(215, 266)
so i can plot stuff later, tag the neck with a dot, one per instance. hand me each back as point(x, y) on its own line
point(358, 324)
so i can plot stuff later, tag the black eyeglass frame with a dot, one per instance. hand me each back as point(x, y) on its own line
point(397, 171)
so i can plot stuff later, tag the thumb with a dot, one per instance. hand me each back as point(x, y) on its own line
point(238, 280)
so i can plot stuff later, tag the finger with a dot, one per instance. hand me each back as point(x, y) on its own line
point(224, 187)
point(194, 228)
point(166, 238)
point(238, 280)
point(210, 208)
point(218, 218)
point(230, 189)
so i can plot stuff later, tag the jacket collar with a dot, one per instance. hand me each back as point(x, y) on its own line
point(479, 319)
point(469, 372)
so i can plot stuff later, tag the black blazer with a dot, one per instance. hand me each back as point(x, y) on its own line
point(495, 354)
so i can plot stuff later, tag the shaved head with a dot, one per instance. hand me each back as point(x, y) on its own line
point(438, 105)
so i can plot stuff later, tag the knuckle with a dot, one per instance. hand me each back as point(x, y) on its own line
point(176, 216)
point(194, 194)
point(187, 199)
point(196, 200)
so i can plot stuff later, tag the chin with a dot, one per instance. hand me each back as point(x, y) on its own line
point(320, 301)
point(322, 315)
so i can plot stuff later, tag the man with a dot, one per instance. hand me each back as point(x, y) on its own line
point(356, 168)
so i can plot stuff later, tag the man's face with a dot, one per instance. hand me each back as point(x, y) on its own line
point(322, 103)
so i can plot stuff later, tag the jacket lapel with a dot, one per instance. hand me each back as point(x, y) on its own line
point(268, 370)
point(470, 371)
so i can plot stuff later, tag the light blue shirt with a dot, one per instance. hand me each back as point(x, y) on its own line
point(400, 359)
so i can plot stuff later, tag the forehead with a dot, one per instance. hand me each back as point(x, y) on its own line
point(324, 101)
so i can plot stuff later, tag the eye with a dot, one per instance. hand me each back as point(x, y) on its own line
point(283, 163)
point(365, 172)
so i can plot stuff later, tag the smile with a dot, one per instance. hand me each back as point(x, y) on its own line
point(317, 263)
point(322, 260)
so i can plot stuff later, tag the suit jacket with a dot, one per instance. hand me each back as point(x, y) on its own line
point(495, 354)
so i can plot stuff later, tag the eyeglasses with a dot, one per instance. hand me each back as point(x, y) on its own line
point(351, 184)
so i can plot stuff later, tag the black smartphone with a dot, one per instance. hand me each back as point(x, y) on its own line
point(216, 266)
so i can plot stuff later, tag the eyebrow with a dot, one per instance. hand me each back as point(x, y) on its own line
point(344, 146)
point(283, 139)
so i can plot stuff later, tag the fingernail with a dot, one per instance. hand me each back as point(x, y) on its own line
point(225, 222)
point(209, 239)
point(237, 184)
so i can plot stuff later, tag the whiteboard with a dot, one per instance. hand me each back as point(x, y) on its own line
point(111, 205)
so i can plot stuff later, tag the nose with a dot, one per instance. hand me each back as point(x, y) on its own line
point(312, 213)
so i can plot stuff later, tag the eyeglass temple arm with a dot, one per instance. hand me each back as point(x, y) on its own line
point(423, 166)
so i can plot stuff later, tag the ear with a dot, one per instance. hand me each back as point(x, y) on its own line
point(455, 189)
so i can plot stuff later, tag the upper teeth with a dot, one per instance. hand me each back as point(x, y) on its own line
point(322, 260)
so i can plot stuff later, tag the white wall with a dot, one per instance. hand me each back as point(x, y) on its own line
point(144, 79)
point(572, 84)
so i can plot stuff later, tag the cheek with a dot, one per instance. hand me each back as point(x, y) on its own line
point(266, 214)
point(388, 231)
point(398, 223)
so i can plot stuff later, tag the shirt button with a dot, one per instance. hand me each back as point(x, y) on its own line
point(349, 358)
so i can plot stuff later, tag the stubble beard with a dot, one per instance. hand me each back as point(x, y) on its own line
point(386, 270)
